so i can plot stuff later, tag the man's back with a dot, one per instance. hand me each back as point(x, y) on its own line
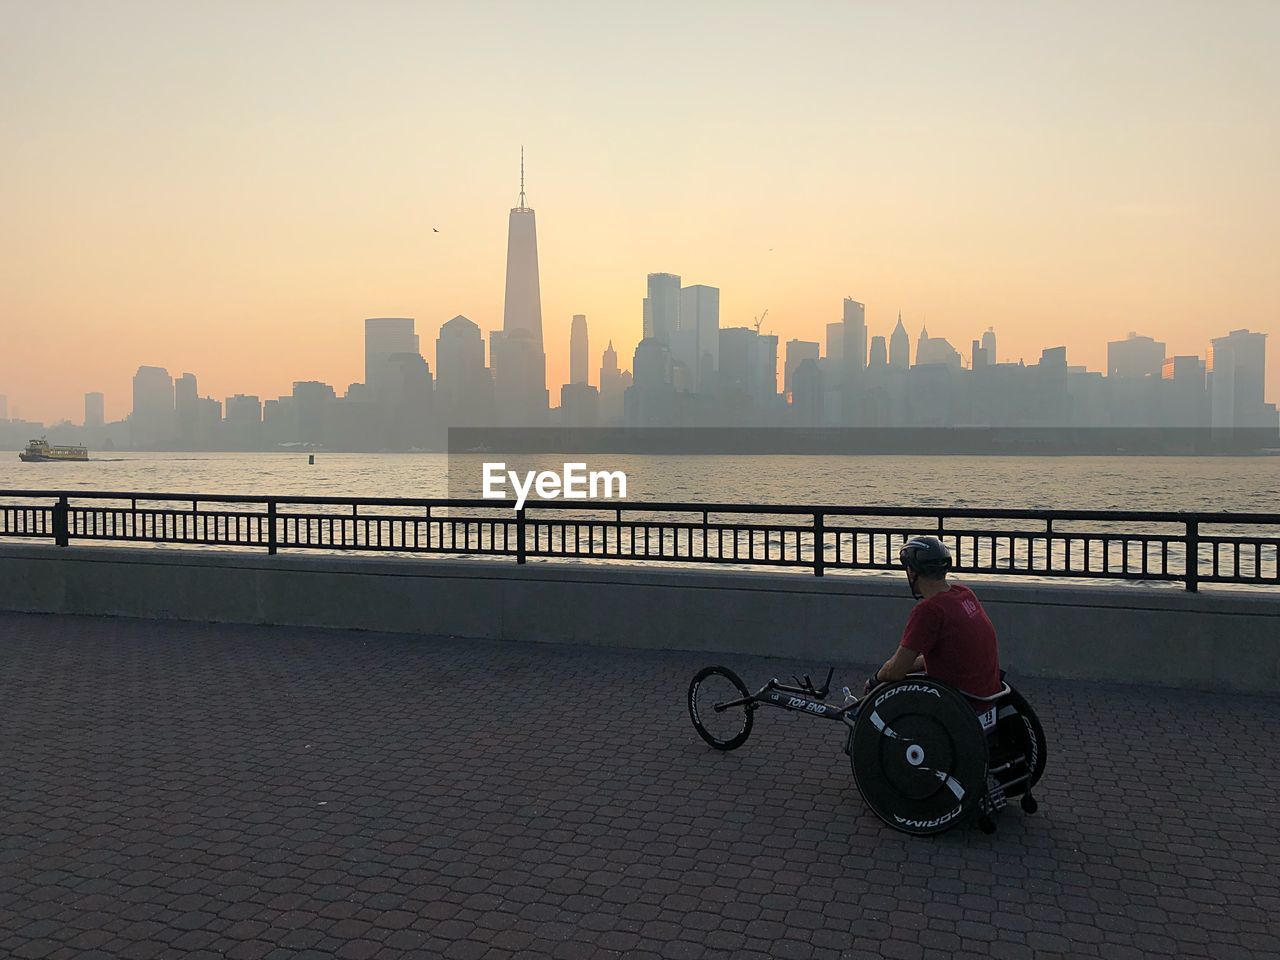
point(954, 635)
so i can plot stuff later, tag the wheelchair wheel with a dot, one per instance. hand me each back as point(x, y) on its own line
point(725, 729)
point(919, 756)
point(1018, 729)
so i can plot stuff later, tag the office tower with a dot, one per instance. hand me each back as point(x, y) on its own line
point(936, 351)
point(578, 345)
point(4, 407)
point(1236, 369)
point(748, 366)
point(464, 386)
point(613, 386)
point(311, 400)
point(696, 343)
point(855, 339)
point(1135, 357)
point(899, 346)
point(1185, 400)
point(879, 359)
point(516, 355)
point(242, 422)
point(662, 307)
point(797, 352)
point(835, 342)
point(185, 402)
point(151, 424)
point(649, 401)
point(989, 345)
point(94, 410)
point(384, 337)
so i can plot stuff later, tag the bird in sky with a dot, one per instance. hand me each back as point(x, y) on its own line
point(435, 230)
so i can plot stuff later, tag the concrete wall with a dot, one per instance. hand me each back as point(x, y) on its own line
point(1211, 640)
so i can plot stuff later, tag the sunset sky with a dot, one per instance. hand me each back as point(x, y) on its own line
point(229, 188)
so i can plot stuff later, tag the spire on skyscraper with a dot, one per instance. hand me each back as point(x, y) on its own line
point(522, 206)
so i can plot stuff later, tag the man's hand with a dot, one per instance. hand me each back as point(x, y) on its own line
point(873, 681)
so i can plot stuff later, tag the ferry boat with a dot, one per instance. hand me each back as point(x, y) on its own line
point(39, 451)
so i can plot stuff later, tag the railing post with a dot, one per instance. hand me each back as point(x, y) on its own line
point(61, 524)
point(520, 528)
point(271, 527)
point(1192, 561)
point(819, 543)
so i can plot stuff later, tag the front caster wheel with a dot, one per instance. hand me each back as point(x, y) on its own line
point(725, 729)
point(1029, 803)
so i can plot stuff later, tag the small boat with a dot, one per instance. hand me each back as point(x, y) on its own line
point(40, 451)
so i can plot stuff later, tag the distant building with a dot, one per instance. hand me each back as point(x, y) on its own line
point(899, 347)
point(1184, 400)
point(989, 345)
point(1236, 369)
point(311, 400)
point(152, 421)
point(578, 349)
point(4, 407)
point(650, 400)
point(613, 387)
point(579, 405)
point(835, 342)
point(94, 410)
point(464, 387)
point(242, 425)
point(936, 351)
point(879, 356)
point(384, 337)
point(748, 369)
point(1135, 357)
point(854, 340)
point(517, 358)
point(797, 352)
point(663, 307)
point(697, 345)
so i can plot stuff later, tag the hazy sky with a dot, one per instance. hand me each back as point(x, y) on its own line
point(229, 188)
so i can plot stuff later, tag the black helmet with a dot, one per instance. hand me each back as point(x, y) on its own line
point(926, 556)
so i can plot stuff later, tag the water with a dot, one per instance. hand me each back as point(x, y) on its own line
point(1211, 484)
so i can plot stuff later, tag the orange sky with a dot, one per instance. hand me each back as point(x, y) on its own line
point(230, 188)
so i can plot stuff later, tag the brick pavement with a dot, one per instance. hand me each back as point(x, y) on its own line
point(191, 790)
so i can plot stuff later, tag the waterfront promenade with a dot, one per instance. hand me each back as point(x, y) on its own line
point(174, 789)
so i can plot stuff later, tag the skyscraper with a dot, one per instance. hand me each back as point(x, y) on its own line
point(151, 424)
point(854, 340)
point(663, 306)
point(613, 386)
point(94, 410)
point(879, 354)
point(1236, 368)
point(578, 347)
point(384, 337)
point(900, 347)
point(797, 352)
point(463, 384)
point(4, 407)
point(1135, 357)
point(517, 357)
point(989, 344)
point(698, 343)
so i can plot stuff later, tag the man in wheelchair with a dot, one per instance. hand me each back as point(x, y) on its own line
point(948, 635)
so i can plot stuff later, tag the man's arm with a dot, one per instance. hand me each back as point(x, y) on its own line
point(902, 662)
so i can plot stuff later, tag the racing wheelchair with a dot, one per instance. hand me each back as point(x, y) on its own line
point(925, 756)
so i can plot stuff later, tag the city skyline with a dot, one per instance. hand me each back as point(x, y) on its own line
point(1063, 176)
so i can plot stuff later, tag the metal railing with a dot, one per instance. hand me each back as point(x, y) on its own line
point(1224, 548)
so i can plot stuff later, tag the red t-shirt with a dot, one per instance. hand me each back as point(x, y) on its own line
point(957, 640)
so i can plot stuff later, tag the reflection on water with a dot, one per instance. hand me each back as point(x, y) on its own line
point(1208, 484)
